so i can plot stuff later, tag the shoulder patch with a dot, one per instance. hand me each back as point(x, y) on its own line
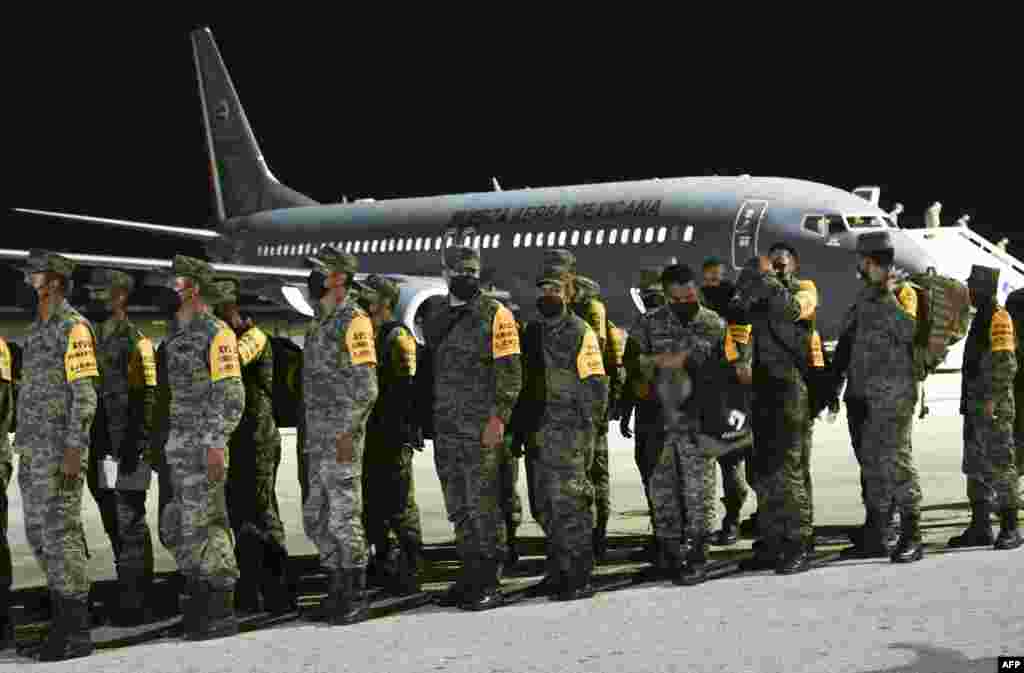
point(5, 361)
point(740, 333)
point(504, 334)
point(731, 354)
point(908, 300)
point(807, 297)
point(1001, 332)
point(359, 340)
point(617, 344)
point(80, 357)
point(589, 361)
point(405, 352)
point(147, 358)
point(817, 355)
point(224, 356)
point(596, 317)
point(251, 345)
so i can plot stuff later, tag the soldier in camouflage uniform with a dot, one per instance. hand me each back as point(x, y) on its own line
point(339, 389)
point(674, 343)
point(474, 366)
point(207, 399)
point(124, 417)
point(987, 404)
point(565, 382)
point(391, 516)
point(779, 309)
point(255, 450)
point(875, 352)
point(57, 403)
point(6, 469)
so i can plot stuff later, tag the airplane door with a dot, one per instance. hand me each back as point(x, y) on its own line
point(744, 231)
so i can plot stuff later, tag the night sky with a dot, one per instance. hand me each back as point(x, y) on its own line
point(106, 121)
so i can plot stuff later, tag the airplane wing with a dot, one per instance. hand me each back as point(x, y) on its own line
point(181, 232)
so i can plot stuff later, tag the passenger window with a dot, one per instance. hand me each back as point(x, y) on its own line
point(551, 239)
point(587, 236)
point(401, 244)
point(487, 240)
point(528, 240)
point(688, 234)
point(373, 246)
point(496, 241)
point(575, 238)
point(624, 237)
point(662, 234)
point(561, 239)
point(637, 234)
point(649, 235)
point(613, 235)
point(599, 239)
point(516, 239)
point(476, 241)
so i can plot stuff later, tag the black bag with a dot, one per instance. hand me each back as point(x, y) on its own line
point(287, 392)
point(820, 381)
point(724, 407)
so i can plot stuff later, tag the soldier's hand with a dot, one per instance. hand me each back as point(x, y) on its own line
point(990, 408)
point(494, 432)
point(624, 428)
point(343, 445)
point(215, 464)
point(744, 374)
point(72, 465)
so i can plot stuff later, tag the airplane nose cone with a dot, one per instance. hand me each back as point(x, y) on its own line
point(910, 255)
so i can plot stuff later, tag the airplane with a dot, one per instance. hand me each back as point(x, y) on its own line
point(265, 229)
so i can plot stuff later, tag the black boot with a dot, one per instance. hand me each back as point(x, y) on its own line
point(69, 636)
point(766, 555)
point(407, 578)
point(673, 557)
point(483, 593)
point(693, 570)
point(730, 532)
point(351, 606)
point(600, 541)
point(131, 609)
point(278, 594)
point(1009, 535)
point(979, 532)
point(457, 592)
point(6, 623)
point(794, 558)
point(871, 544)
point(749, 527)
point(577, 585)
point(910, 547)
point(328, 605)
point(512, 557)
point(214, 613)
point(249, 554)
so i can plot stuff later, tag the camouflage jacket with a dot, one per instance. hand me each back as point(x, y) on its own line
point(990, 364)
point(204, 376)
point(780, 310)
point(881, 333)
point(393, 420)
point(57, 397)
point(475, 363)
point(6, 403)
point(126, 385)
point(161, 405)
point(339, 381)
point(639, 380)
point(256, 356)
point(569, 374)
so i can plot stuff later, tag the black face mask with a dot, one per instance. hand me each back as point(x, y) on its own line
point(550, 307)
point(653, 301)
point(464, 288)
point(98, 311)
point(685, 311)
point(316, 284)
point(168, 300)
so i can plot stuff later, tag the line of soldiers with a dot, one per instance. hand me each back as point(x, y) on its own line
point(487, 388)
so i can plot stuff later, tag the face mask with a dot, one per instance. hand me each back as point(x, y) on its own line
point(99, 311)
point(464, 288)
point(316, 284)
point(550, 307)
point(652, 301)
point(168, 300)
point(685, 311)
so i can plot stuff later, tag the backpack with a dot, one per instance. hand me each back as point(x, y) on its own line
point(943, 318)
point(287, 392)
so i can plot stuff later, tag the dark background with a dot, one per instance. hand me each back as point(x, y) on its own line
point(106, 119)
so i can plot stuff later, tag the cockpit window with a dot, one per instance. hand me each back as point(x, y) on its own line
point(824, 225)
point(866, 222)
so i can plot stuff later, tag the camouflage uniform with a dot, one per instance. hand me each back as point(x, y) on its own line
point(339, 389)
point(124, 415)
point(881, 393)
point(207, 398)
point(56, 406)
point(391, 516)
point(990, 366)
point(255, 449)
point(683, 472)
point(778, 309)
point(6, 468)
point(476, 375)
point(566, 388)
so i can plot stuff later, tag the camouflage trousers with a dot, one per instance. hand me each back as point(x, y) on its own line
point(470, 481)
point(780, 459)
point(194, 524)
point(880, 432)
point(511, 502)
point(53, 519)
point(598, 476)
point(6, 570)
point(565, 495)
point(332, 510)
point(251, 489)
point(390, 514)
point(989, 462)
point(683, 477)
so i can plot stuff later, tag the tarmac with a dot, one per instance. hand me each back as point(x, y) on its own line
point(955, 611)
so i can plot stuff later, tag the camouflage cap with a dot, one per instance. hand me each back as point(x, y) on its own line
point(331, 260)
point(875, 241)
point(462, 258)
point(110, 278)
point(196, 269)
point(42, 260)
point(560, 258)
point(587, 288)
point(381, 288)
point(220, 292)
point(983, 276)
point(650, 279)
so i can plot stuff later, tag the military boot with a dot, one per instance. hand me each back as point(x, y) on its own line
point(1009, 535)
point(673, 556)
point(213, 612)
point(352, 605)
point(577, 585)
point(979, 532)
point(6, 623)
point(512, 557)
point(458, 590)
point(278, 593)
point(749, 527)
point(730, 532)
point(600, 541)
point(322, 612)
point(871, 543)
point(766, 555)
point(484, 592)
point(249, 554)
point(694, 569)
point(794, 558)
point(131, 608)
point(69, 636)
point(406, 581)
point(910, 548)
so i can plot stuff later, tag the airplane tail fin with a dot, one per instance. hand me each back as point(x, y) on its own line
point(241, 182)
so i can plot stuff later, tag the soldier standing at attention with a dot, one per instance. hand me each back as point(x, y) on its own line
point(121, 430)
point(255, 450)
point(57, 403)
point(477, 375)
point(339, 389)
point(206, 405)
point(987, 404)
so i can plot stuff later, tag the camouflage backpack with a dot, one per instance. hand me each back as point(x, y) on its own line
point(943, 317)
